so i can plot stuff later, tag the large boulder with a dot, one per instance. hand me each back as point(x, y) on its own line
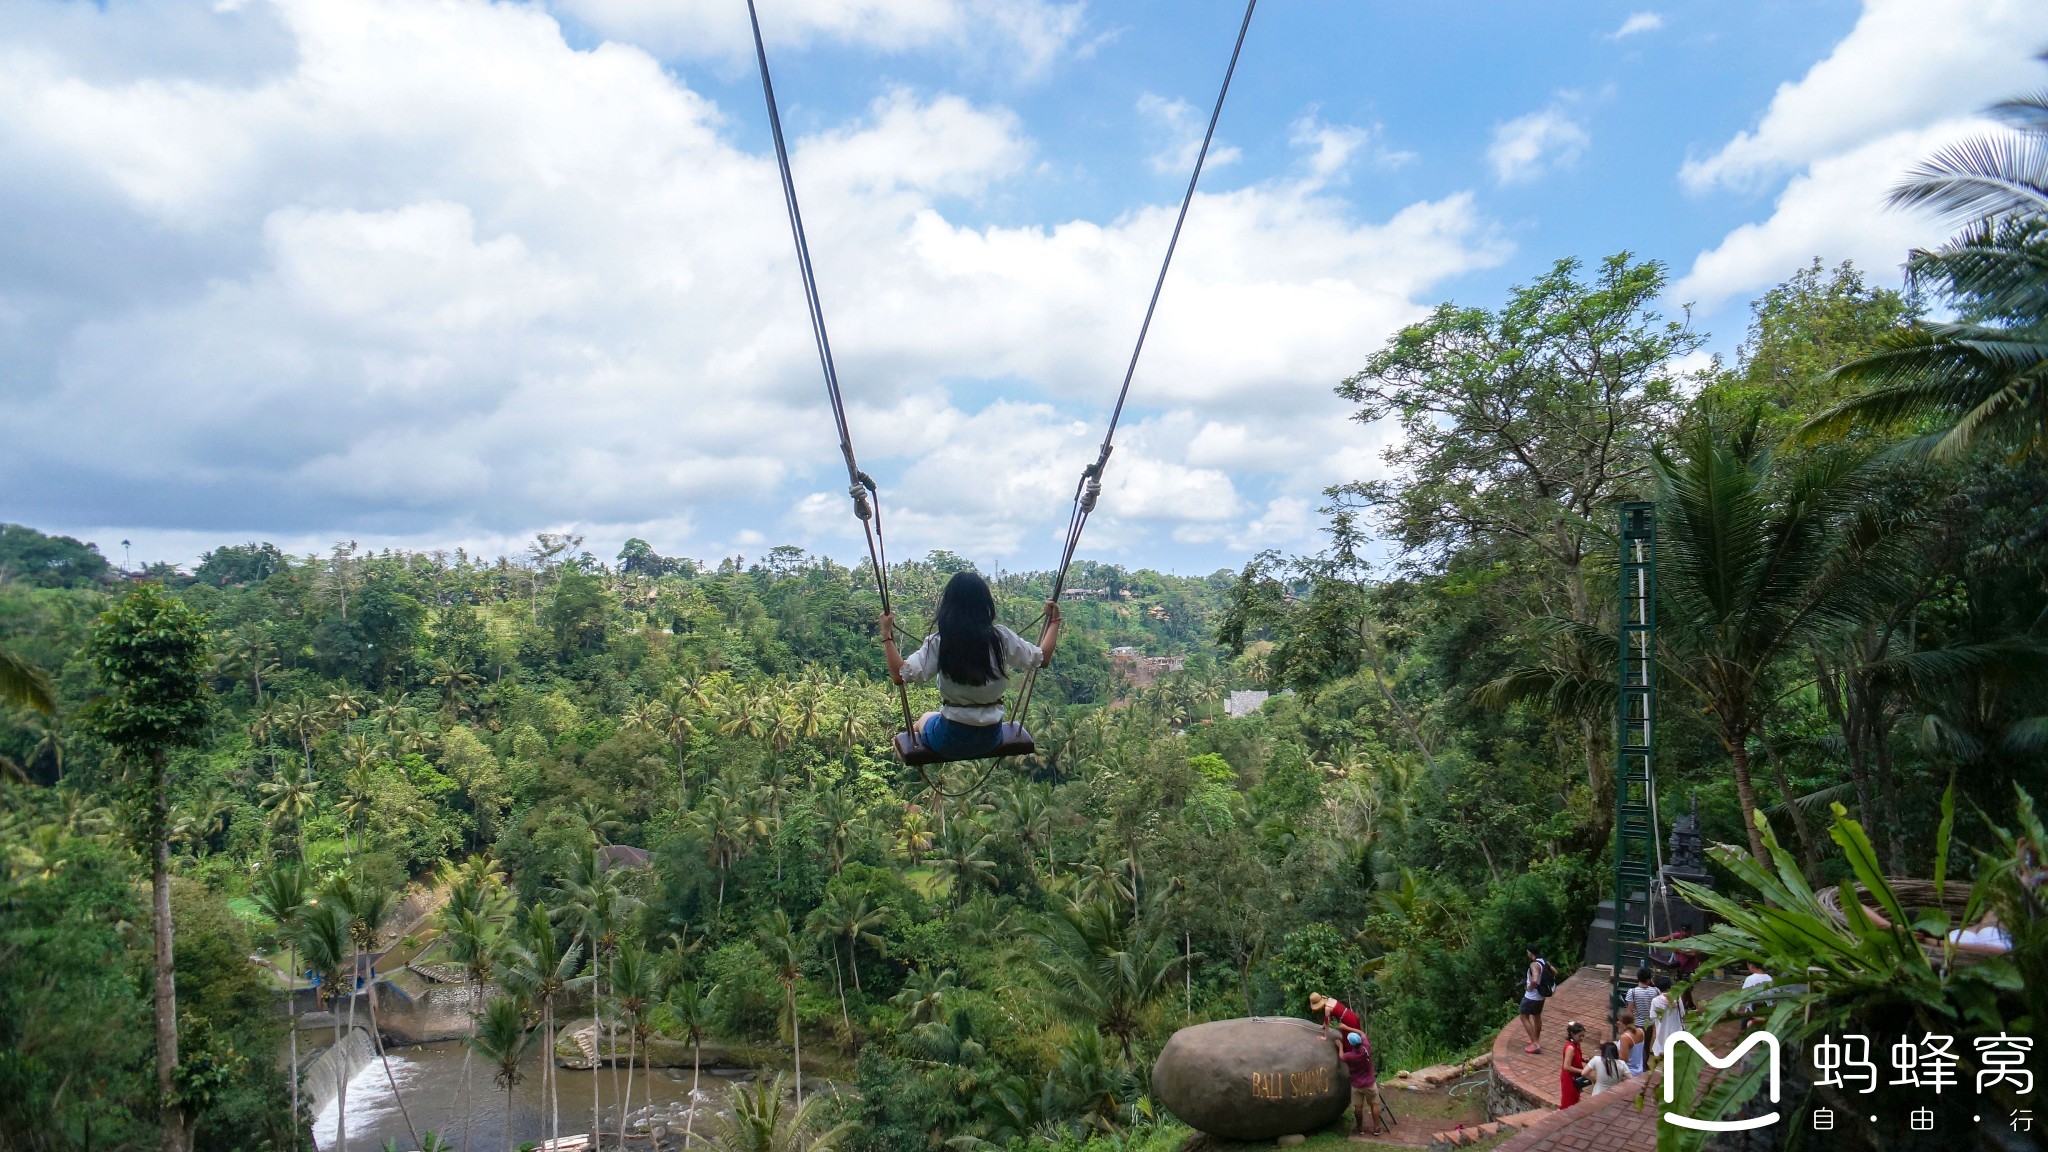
point(1252, 1079)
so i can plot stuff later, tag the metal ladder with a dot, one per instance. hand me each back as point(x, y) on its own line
point(1635, 781)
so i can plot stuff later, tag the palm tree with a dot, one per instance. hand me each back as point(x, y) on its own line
point(1984, 376)
point(669, 718)
point(1755, 564)
point(280, 894)
point(963, 857)
point(839, 818)
point(761, 1122)
point(691, 1007)
point(593, 899)
point(1104, 969)
point(503, 1039)
point(924, 994)
point(632, 983)
point(290, 796)
point(473, 931)
point(369, 909)
point(717, 822)
point(785, 954)
point(324, 938)
point(303, 717)
point(540, 968)
point(1029, 820)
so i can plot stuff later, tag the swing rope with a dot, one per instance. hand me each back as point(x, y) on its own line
point(867, 504)
point(1089, 488)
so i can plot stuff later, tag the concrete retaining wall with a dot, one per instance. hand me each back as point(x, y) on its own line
point(325, 1073)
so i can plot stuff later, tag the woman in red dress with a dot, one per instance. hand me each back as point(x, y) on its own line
point(1574, 1065)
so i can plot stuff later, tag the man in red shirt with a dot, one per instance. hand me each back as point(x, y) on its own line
point(1334, 1013)
point(1365, 1097)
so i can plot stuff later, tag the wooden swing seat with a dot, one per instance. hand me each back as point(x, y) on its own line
point(1015, 742)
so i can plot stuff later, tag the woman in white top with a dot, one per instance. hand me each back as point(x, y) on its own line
point(1669, 1011)
point(971, 656)
point(1609, 1069)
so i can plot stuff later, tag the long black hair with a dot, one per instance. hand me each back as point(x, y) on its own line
point(970, 652)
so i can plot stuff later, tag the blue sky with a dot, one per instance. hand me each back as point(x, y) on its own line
point(434, 274)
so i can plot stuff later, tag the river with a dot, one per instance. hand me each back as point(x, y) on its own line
point(430, 1077)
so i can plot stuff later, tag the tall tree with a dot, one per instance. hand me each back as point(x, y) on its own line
point(280, 894)
point(541, 968)
point(503, 1039)
point(1756, 562)
point(149, 655)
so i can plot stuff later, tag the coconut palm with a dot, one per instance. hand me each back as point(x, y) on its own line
point(324, 939)
point(290, 796)
point(541, 966)
point(669, 718)
point(370, 908)
point(1105, 969)
point(1757, 560)
point(632, 985)
point(503, 1039)
point(690, 1005)
point(280, 894)
point(778, 938)
point(964, 857)
point(474, 933)
point(303, 717)
point(1985, 375)
point(594, 902)
point(717, 822)
point(761, 1121)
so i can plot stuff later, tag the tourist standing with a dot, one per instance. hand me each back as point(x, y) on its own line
point(1668, 1015)
point(1639, 998)
point(1632, 1041)
point(1574, 1072)
point(1759, 1005)
point(1539, 980)
point(1609, 1069)
point(1365, 1096)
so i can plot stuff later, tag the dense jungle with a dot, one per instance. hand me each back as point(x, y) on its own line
point(1851, 606)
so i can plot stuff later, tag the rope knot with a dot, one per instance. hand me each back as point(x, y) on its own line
point(1091, 491)
point(861, 508)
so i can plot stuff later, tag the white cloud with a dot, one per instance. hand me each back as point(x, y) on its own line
point(432, 276)
point(1181, 126)
point(1906, 80)
point(1330, 147)
point(1529, 146)
point(1636, 24)
point(1026, 35)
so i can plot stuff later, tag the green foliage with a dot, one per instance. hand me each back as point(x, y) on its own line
point(1314, 958)
point(746, 1000)
point(150, 653)
point(50, 561)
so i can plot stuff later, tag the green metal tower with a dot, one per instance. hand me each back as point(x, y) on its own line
point(1635, 782)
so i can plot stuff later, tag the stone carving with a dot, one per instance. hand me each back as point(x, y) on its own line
point(1252, 1079)
point(1688, 853)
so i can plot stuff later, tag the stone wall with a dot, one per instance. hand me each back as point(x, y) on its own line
point(1503, 1100)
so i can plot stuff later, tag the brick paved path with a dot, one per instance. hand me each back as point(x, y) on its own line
point(1581, 997)
point(1609, 1122)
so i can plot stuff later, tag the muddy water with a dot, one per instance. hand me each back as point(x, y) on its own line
point(430, 1079)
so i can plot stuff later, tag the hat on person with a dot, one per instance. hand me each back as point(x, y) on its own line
point(1316, 999)
point(1353, 1039)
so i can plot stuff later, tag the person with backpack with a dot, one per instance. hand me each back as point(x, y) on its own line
point(1365, 1095)
point(1539, 982)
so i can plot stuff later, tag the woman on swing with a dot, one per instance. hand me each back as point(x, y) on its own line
point(972, 657)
